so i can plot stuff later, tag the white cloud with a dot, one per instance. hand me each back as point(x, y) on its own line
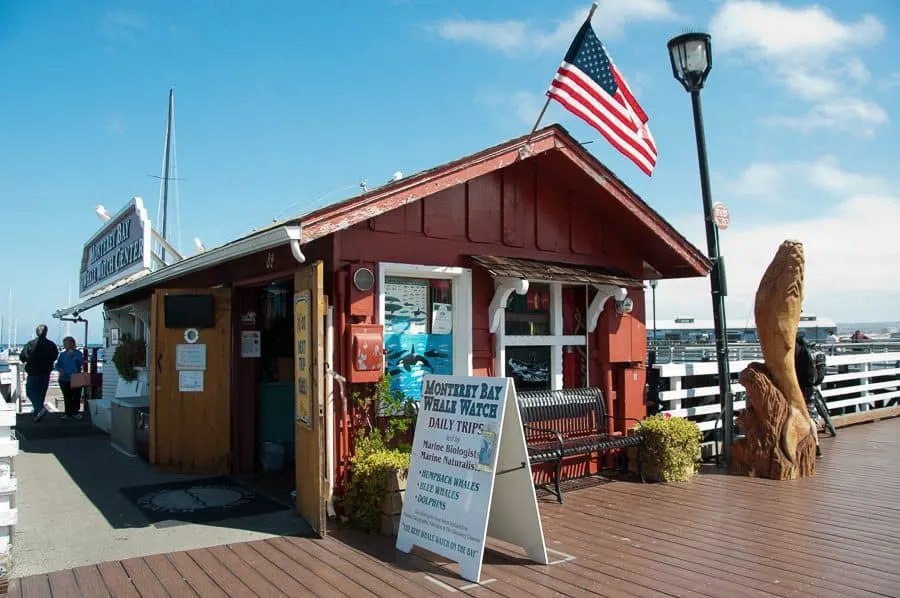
point(854, 115)
point(523, 105)
point(119, 26)
point(850, 246)
point(773, 180)
point(890, 82)
point(515, 37)
point(810, 52)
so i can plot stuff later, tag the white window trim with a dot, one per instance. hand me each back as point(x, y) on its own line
point(556, 340)
point(461, 291)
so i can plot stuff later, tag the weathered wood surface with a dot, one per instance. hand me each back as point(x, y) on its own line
point(779, 436)
point(834, 535)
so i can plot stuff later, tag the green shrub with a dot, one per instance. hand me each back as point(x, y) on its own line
point(378, 453)
point(671, 447)
point(371, 468)
point(130, 354)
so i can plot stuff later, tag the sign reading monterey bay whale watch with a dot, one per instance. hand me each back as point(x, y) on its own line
point(469, 475)
point(120, 249)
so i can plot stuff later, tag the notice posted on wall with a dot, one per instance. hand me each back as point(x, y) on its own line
point(190, 381)
point(251, 344)
point(190, 357)
point(451, 474)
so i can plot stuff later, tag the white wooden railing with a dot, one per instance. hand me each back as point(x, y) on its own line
point(855, 382)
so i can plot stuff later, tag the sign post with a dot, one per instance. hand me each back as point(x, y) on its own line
point(469, 475)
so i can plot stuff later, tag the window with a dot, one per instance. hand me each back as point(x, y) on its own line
point(427, 316)
point(544, 340)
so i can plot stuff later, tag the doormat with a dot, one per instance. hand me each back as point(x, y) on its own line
point(53, 426)
point(199, 501)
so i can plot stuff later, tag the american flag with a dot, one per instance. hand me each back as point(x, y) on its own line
point(590, 86)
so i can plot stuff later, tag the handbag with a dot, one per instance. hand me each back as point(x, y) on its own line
point(80, 380)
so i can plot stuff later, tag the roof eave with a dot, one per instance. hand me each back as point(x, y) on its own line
point(208, 259)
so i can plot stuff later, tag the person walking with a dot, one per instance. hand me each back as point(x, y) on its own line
point(70, 362)
point(39, 356)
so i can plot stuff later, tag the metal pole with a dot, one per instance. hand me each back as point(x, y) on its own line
point(717, 279)
point(165, 214)
point(654, 313)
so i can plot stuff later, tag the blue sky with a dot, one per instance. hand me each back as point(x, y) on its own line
point(278, 104)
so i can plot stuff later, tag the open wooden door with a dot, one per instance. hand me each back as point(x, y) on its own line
point(309, 427)
point(190, 388)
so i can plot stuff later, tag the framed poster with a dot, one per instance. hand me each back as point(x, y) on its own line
point(405, 306)
point(303, 365)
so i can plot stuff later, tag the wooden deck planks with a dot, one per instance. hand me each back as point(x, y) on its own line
point(834, 535)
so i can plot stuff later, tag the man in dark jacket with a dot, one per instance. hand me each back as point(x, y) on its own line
point(39, 356)
point(805, 367)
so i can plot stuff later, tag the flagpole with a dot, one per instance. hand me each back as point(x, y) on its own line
point(547, 102)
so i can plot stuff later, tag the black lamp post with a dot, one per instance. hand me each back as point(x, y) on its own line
point(691, 57)
point(653, 283)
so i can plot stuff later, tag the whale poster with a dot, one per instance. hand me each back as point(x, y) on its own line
point(409, 357)
point(405, 306)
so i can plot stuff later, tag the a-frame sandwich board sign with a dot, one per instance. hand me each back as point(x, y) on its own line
point(469, 475)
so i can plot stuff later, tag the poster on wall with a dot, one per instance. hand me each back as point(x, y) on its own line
point(408, 357)
point(468, 430)
point(251, 344)
point(405, 306)
point(441, 318)
point(303, 355)
point(190, 381)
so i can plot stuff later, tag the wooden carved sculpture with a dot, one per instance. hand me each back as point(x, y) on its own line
point(779, 436)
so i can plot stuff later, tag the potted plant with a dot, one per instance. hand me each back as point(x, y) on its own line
point(374, 497)
point(131, 353)
point(671, 448)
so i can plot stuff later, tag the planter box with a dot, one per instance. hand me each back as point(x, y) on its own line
point(392, 503)
point(651, 472)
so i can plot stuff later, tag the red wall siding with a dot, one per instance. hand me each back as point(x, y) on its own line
point(525, 210)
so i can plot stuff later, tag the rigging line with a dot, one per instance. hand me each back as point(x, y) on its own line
point(162, 175)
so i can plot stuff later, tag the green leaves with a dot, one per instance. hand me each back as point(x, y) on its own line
point(671, 447)
point(130, 354)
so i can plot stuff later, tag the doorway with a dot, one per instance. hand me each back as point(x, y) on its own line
point(264, 430)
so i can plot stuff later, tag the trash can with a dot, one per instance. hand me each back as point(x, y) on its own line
point(272, 456)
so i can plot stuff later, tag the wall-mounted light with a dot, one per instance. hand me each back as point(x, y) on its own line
point(624, 306)
point(364, 279)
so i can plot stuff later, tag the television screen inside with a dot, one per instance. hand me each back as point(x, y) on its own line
point(190, 311)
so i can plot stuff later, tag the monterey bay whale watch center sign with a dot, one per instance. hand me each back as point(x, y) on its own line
point(469, 475)
point(121, 248)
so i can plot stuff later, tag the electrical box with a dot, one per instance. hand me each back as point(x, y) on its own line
point(366, 353)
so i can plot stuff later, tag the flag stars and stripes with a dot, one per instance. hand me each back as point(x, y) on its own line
point(590, 86)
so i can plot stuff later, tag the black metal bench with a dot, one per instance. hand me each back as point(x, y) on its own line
point(569, 422)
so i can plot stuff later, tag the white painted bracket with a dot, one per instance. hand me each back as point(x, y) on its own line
point(604, 292)
point(503, 288)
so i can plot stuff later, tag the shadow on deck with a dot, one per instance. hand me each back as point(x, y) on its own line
point(835, 535)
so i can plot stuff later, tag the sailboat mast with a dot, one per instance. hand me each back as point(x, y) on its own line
point(69, 302)
point(166, 168)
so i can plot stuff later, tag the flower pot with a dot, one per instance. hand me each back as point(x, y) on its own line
point(392, 502)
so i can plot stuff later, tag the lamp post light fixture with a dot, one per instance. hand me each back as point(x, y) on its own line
point(653, 284)
point(691, 57)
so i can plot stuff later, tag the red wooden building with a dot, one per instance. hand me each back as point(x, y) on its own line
point(526, 259)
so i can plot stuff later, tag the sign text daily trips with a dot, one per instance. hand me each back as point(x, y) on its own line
point(475, 400)
point(111, 253)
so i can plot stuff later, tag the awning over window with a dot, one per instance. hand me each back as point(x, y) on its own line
point(553, 271)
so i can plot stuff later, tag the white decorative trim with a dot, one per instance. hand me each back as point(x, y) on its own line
point(503, 288)
point(604, 292)
point(462, 304)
